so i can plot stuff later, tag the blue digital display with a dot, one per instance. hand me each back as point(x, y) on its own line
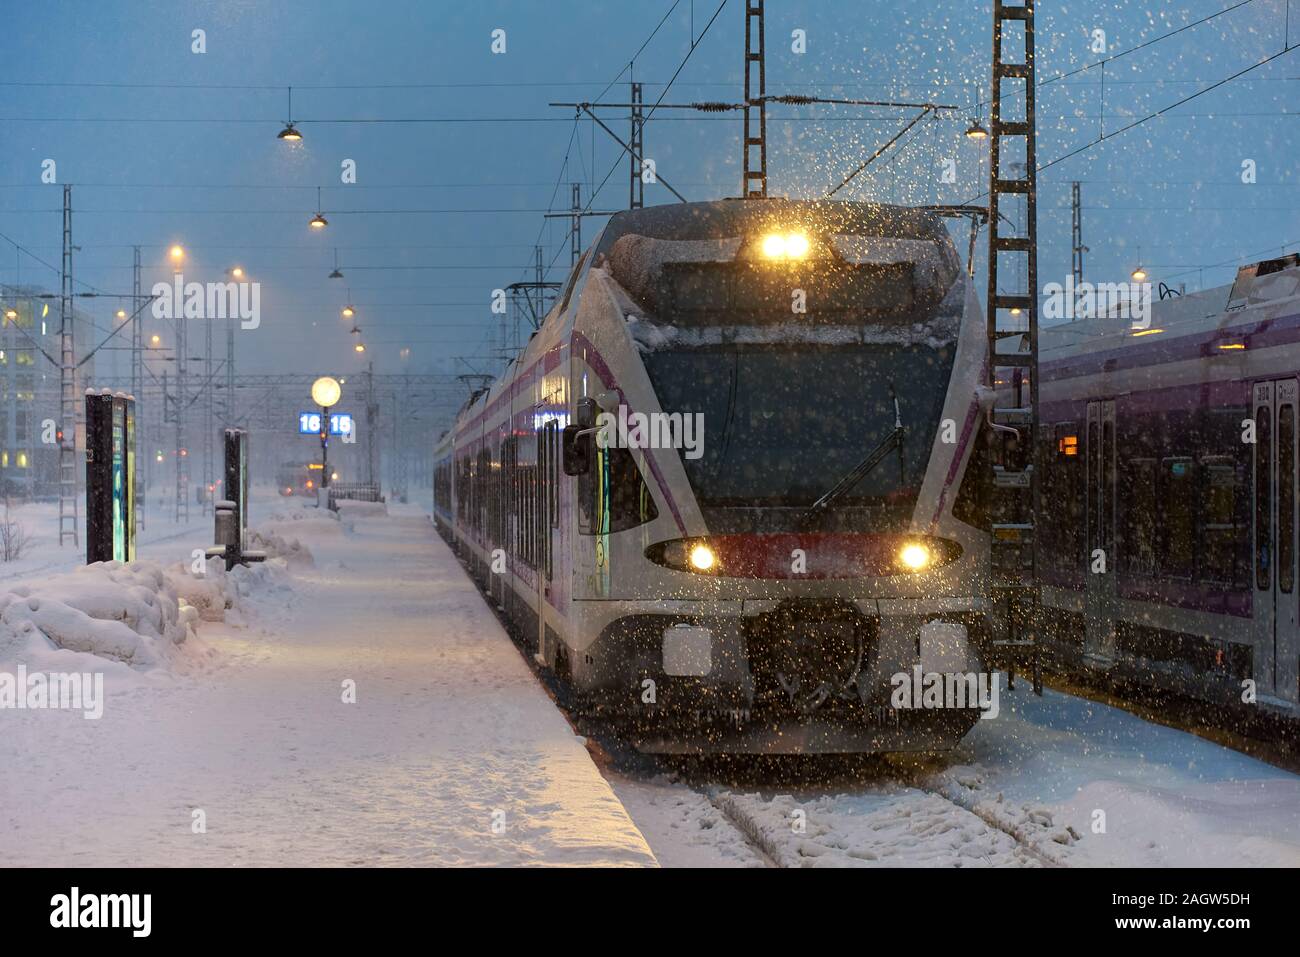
point(340, 423)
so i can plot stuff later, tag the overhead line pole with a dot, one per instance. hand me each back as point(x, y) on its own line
point(67, 388)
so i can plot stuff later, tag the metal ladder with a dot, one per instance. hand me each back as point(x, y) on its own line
point(1012, 319)
point(755, 134)
point(68, 398)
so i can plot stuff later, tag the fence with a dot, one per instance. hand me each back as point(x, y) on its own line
point(355, 492)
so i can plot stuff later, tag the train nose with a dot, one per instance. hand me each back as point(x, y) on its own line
point(806, 653)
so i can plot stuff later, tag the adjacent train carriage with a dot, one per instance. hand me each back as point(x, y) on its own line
point(1169, 451)
point(723, 492)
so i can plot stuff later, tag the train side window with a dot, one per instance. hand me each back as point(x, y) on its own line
point(1220, 485)
point(1140, 530)
point(1063, 491)
point(1263, 475)
point(1286, 498)
point(554, 438)
point(1178, 516)
point(612, 495)
point(1108, 488)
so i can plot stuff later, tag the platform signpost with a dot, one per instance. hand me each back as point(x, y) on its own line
point(110, 477)
point(236, 479)
point(231, 513)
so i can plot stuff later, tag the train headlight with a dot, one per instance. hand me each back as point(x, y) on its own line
point(786, 246)
point(796, 246)
point(774, 246)
point(702, 557)
point(914, 556)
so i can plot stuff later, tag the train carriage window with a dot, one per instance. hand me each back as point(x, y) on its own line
point(554, 440)
point(1263, 516)
point(1220, 483)
point(1286, 498)
point(1140, 512)
point(1093, 453)
point(612, 495)
point(1063, 497)
point(1177, 517)
point(1108, 484)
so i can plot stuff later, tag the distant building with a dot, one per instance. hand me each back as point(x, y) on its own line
point(29, 388)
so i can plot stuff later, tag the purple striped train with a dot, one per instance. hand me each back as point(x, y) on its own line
point(793, 528)
point(1169, 457)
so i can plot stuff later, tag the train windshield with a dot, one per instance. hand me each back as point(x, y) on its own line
point(782, 425)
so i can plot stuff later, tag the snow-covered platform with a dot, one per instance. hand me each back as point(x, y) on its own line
point(450, 754)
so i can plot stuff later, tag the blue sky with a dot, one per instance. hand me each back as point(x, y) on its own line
point(165, 145)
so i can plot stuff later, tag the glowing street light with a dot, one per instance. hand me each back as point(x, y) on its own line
point(318, 221)
point(1139, 274)
point(325, 392)
point(237, 272)
point(121, 314)
point(976, 131)
point(155, 340)
point(177, 253)
point(348, 312)
point(360, 347)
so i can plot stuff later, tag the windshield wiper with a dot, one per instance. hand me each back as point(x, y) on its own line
point(894, 440)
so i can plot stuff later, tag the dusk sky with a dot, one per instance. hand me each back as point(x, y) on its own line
point(459, 156)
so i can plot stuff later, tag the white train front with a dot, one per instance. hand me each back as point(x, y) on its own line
point(810, 541)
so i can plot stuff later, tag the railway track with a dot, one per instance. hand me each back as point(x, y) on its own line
point(926, 816)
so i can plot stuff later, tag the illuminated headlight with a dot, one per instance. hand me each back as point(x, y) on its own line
point(702, 557)
point(914, 556)
point(796, 245)
point(785, 245)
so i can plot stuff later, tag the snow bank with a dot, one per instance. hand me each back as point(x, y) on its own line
point(141, 615)
point(133, 614)
point(294, 553)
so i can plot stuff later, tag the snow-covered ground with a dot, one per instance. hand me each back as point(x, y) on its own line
point(1052, 781)
point(161, 538)
point(451, 753)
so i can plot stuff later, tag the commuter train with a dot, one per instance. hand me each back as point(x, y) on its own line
point(1168, 451)
point(723, 491)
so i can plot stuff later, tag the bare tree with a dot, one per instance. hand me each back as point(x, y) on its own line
point(14, 539)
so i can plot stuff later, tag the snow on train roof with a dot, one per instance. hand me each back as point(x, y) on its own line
point(733, 217)
point(1220, 307)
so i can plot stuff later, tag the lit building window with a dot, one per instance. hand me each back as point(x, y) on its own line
point(22, 460)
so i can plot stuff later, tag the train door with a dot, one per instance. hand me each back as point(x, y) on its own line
point(1100, 596)
point(1277, 635)
point(547, 475)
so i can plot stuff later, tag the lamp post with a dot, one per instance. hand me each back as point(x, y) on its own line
point(325, 392)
